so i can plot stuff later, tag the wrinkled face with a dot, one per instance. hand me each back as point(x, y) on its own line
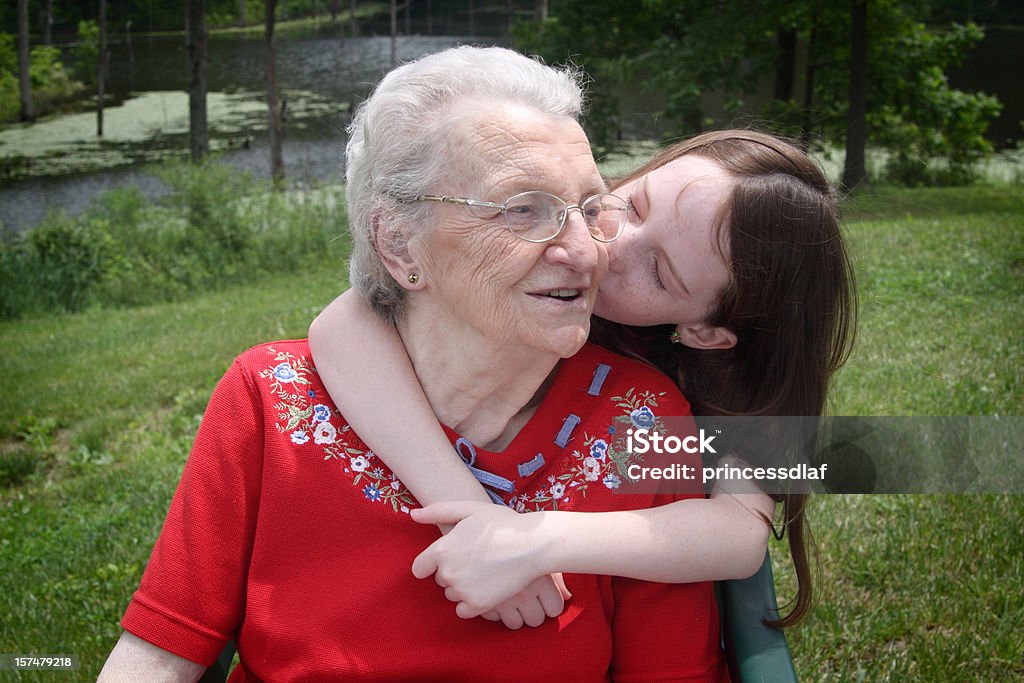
point(668, 266)
point(482, 281)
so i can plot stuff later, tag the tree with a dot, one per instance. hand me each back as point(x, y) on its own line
point(24, 62)
point(681, 51)
point(195, 42)
point(854, 172)
point(101, 74)
point(275, 122)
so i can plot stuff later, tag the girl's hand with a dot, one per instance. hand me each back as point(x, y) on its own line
point(490, 563)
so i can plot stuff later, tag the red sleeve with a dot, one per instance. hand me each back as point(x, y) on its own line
point(192, 595)
point(666, 632)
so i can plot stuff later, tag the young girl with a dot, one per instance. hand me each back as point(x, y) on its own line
point(732, 278)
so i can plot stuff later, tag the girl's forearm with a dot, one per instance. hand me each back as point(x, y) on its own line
point(702, 539)
point(371, 369)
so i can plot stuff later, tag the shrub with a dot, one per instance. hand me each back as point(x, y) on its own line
point(126, 251)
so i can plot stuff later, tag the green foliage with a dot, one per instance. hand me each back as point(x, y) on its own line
point(51, 83)
point(32, 448)
point(692, 58)
point(52, 267)
point(919, 117)
point(87, 51)
point(8, 53)
point(124, 251)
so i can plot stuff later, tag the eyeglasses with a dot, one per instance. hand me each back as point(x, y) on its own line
point(539, 216)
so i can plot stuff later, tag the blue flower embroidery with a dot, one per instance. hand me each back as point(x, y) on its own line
point(372, 493)
point(642, 418)
point(612, 481)
point(321, 413)
point(285, 373)
point(299, 437)
point(311, 393)
point(599, 449)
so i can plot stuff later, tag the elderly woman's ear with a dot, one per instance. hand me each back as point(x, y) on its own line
point(393, 246)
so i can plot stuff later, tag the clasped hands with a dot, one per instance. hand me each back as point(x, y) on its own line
point(489, 563)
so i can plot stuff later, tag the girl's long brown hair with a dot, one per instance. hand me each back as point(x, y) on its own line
point(791, 302)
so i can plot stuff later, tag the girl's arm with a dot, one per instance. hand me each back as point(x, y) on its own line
point(368, 369)
point(365, 370)
point(718, 538)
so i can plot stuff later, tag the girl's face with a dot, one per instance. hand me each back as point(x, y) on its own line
point(669, 266)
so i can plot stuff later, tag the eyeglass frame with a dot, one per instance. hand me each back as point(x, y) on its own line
point(465, 201)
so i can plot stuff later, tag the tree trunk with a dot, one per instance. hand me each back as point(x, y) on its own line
point(275, 124)
point(807, 126)
point(352, 17)
point(48, 24)
point(24, 62)
point(540, 10)
point(785, 67)
point(854, 172)
point(394, 31)
point(199, 138)
point(472, 19)
point(101, 69)
point(128, 41)
point(241, 12)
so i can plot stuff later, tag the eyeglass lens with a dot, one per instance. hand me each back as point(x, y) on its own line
point(540, 216)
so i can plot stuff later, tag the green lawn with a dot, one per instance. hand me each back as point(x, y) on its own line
point(99, 409)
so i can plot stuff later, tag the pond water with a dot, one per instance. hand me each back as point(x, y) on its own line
point(321, 78)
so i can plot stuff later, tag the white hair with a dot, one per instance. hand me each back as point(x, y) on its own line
point(396, 142)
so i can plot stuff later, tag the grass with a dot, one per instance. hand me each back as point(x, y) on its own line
point(941, 273)
point(132, 383)
point(100, 407)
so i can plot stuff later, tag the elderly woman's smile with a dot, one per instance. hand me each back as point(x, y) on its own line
point(482, 279)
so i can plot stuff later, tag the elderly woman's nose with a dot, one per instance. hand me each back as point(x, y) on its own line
point(575, 246)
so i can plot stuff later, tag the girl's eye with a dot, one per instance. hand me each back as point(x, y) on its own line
point(631, 202)
point(657, 276)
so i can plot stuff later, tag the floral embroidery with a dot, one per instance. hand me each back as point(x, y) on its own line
point(324, 433)
point(304, 421)
point(642, 418)
point(601, 459)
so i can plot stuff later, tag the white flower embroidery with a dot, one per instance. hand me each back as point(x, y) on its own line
point(358, 463)
point(591, 468)
point(324, 433)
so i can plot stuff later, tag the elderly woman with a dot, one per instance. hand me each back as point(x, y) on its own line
point(479, 220)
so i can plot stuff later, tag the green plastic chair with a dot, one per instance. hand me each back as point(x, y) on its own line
point(755, 652)
point(219, 670)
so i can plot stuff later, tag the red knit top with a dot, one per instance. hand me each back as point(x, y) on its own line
point(289, 537)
